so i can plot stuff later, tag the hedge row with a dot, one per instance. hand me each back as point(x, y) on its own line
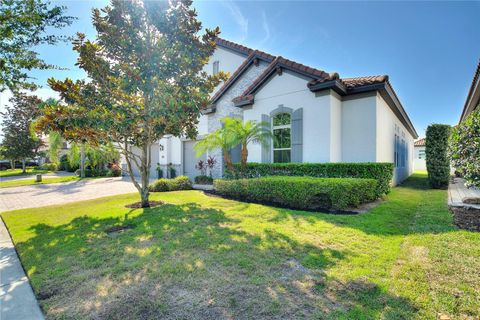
point(178, 183)
point(380, 171)
point(436, 151)
point(301, 192)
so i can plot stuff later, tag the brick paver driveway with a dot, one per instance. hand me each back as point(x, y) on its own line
point(58, 193)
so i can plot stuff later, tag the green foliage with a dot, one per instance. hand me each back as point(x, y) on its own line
point(464, 148)
point(178, 183)
point(436, 151)
point(234, 132)
point(23, 26)
point(65, 164)
point(146, 80)
point(203, 179)
point(301, 192)
point(49, 166)
point(382, 172)
point(19, 143)
point(114, 171)
point(93, 172)
point(55, 143)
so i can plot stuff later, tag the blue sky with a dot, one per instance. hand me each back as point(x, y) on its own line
point(429, 49)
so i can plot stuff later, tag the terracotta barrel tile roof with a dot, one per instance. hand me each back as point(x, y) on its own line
point(234, 46)
point(420, 142)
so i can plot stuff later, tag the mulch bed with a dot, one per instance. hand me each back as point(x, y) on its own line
point(138, 205)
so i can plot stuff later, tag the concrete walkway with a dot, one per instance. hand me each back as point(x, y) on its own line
point(17, 301)
point(59, 193)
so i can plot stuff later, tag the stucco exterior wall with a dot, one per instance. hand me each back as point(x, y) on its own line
point(386, 139)
point(419, 163)
point(359, 129)
point(291, 91)
point(229, 61)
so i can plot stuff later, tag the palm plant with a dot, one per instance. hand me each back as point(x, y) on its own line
point(219, 139)
point(55, 143)
point(247, 132)
point(233, 133)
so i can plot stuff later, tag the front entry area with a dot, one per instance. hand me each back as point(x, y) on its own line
point(190, 159)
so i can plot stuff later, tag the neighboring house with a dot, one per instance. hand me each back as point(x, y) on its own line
point(419, 155)
point(473, 97)
point(315, 116)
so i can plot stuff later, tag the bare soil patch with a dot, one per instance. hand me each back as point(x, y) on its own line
point(138, 205)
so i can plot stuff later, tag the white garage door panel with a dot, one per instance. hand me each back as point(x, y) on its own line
point(190, 159)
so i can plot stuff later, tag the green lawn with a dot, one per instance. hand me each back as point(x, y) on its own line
point(201, 257)
point(27, 182)
point(18, 172)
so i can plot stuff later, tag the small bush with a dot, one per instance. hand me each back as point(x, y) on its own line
point(49, 166)
point(65, 164)
point(203, 179)
point(382, 172)
point(93, 173)
point(301, 192)
point(114, 171)
point(464, 148)
point(436, 151)
point(178, 183)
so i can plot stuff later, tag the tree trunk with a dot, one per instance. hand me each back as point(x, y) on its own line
point(228, 161)
point(12, 164)
point(24, 167)
point(145, 175)
point(82, 161)
point(244, 156)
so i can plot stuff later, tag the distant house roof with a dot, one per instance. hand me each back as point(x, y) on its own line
point(473, 98)
point(420, 143)
point(319, 80)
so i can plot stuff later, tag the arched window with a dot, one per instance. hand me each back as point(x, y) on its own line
point(282, 142)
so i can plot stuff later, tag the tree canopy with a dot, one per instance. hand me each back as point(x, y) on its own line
point(24, 24)
point(146, 80)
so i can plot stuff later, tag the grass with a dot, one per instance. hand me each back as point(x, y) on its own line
point(28, 182)
point(202, 257)
point(18, 172)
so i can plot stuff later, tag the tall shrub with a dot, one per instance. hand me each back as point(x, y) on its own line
point(380, 171)
point(464, 148)
point(436, 149)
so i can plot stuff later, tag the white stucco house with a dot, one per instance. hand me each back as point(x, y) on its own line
point(419, 155)
point(316, 116)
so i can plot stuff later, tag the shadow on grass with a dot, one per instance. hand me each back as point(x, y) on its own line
point(184, 261)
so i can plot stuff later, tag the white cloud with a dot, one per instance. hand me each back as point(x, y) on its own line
point(266, 28)
point(238, 17)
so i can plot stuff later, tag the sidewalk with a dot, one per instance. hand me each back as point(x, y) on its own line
point(17, 301)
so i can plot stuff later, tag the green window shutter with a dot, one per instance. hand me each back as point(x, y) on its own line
point(266, 147)
point(297, 135)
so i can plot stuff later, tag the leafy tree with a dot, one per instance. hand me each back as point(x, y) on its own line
point(464, 148)
point(247, 132)
point(23, 25)
point(19, 143)
point(436, 150)
point(55, 143)
point(146, 80)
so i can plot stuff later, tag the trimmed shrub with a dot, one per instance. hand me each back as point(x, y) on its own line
point(380, 171)
point(178, 183)
point(301, 192)
point(436, 151)
point(93, 173)
point(203, 179)
point(49, 166)
point(464, 148)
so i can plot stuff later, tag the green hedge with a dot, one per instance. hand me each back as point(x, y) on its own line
point(380, 171)
point(436, 151)
point(178, 183)
point(203, 179)
point(301, 192)
point(465, 148)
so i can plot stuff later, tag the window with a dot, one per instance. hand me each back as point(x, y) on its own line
point(282, 146)
point(421, 154)
point(216, 66)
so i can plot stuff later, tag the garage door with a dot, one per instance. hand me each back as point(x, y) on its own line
point(190, 159)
